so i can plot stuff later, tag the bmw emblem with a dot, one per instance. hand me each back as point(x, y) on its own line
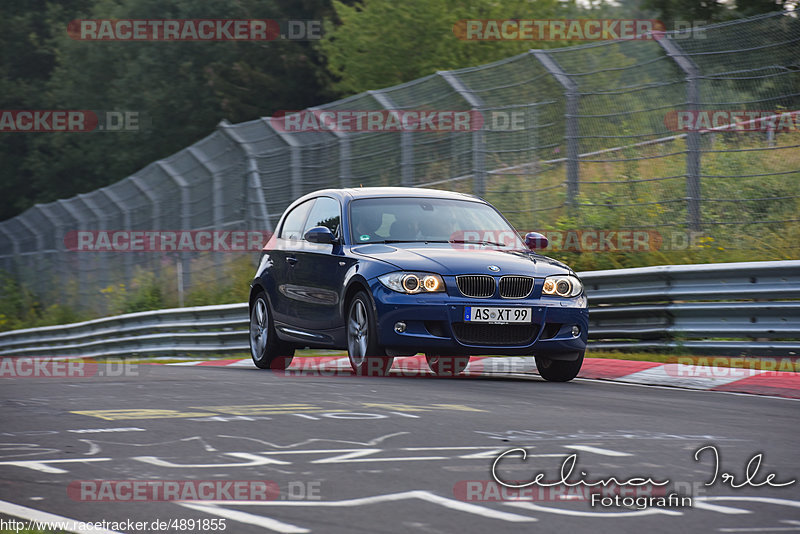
point(493, 268)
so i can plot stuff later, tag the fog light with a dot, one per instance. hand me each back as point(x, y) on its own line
point(576, 331)
point(399, 327)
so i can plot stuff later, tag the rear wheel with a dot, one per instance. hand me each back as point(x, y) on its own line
point(447, 365)
point(558, 370)
point(267, 351)
point(367, 358)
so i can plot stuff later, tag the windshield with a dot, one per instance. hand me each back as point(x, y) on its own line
point(431, 220)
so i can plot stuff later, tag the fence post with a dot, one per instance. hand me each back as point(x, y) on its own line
point(155, 219)
point(253, 176)
point(126, 216)
point(295, 160)
point(101, 218)
point(14, 248)
point(217, 208)
point(82, 259)
point(571, 128)
point(167, 169)
point(58, 247)
point(406, 144)
point(478, 134)
point(692, 72)
point(345, 172)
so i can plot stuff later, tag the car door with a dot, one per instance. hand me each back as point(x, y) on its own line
point(318, 273)
point(282, 258)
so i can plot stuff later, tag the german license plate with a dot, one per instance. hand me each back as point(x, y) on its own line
point(481, 314)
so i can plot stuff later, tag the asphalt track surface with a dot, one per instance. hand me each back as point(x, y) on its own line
point(380, 455)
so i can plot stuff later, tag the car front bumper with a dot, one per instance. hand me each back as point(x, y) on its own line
point(434, 323)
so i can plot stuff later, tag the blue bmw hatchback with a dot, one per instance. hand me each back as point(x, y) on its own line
point(386, 272)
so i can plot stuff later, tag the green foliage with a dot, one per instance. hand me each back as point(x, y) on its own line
point(379, 43)
point(21, 308)
point(181, 89)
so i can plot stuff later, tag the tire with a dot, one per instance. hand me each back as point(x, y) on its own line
point(367, 358)
point(446, 365)
point(267, 351)
point(558, 370)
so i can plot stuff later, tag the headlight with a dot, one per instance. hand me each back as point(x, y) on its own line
point(562, 286)
point(411, 283)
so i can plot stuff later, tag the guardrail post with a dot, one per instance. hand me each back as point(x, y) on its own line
point(478, 134)
point(692, 72)
point(571, 116)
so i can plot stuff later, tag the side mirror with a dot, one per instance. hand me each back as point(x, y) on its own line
point(535, 241)
point(321, 235)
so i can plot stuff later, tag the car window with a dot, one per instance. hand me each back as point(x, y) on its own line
point(428, 219)
point(293, 224)
point(326, 212)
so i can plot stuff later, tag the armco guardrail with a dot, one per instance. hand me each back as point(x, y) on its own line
point(728, 308)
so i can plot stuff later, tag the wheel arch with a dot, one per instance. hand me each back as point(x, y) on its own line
point(356, 284)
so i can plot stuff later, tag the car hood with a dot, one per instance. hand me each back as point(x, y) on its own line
point(447, 260)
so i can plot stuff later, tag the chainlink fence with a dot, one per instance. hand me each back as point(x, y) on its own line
point(600, 136)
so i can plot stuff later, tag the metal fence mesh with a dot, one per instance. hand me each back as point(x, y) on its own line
point(590, 147)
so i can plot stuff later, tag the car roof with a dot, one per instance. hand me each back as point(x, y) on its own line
point(382, 192)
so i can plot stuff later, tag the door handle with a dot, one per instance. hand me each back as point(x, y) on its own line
point(291, 260)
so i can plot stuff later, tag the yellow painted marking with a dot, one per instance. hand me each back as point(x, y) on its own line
point(263, 409)
point(115, 415)
point(396, 407)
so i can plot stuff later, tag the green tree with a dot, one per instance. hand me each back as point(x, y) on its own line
point(379, 43)
point(183, 88)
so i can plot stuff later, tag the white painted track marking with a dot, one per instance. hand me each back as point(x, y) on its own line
point(31, 514)
point(597, 450)
point(765, 500)
point(250, 519)
point(688, 376)
point(252, 461)
point(41, 465)
point(702, 505)
point(392, 497)
point(578, 513)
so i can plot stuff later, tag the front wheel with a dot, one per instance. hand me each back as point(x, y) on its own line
point(267, 350)
point(558, 370)
point(447, 365)
point(367, 358)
